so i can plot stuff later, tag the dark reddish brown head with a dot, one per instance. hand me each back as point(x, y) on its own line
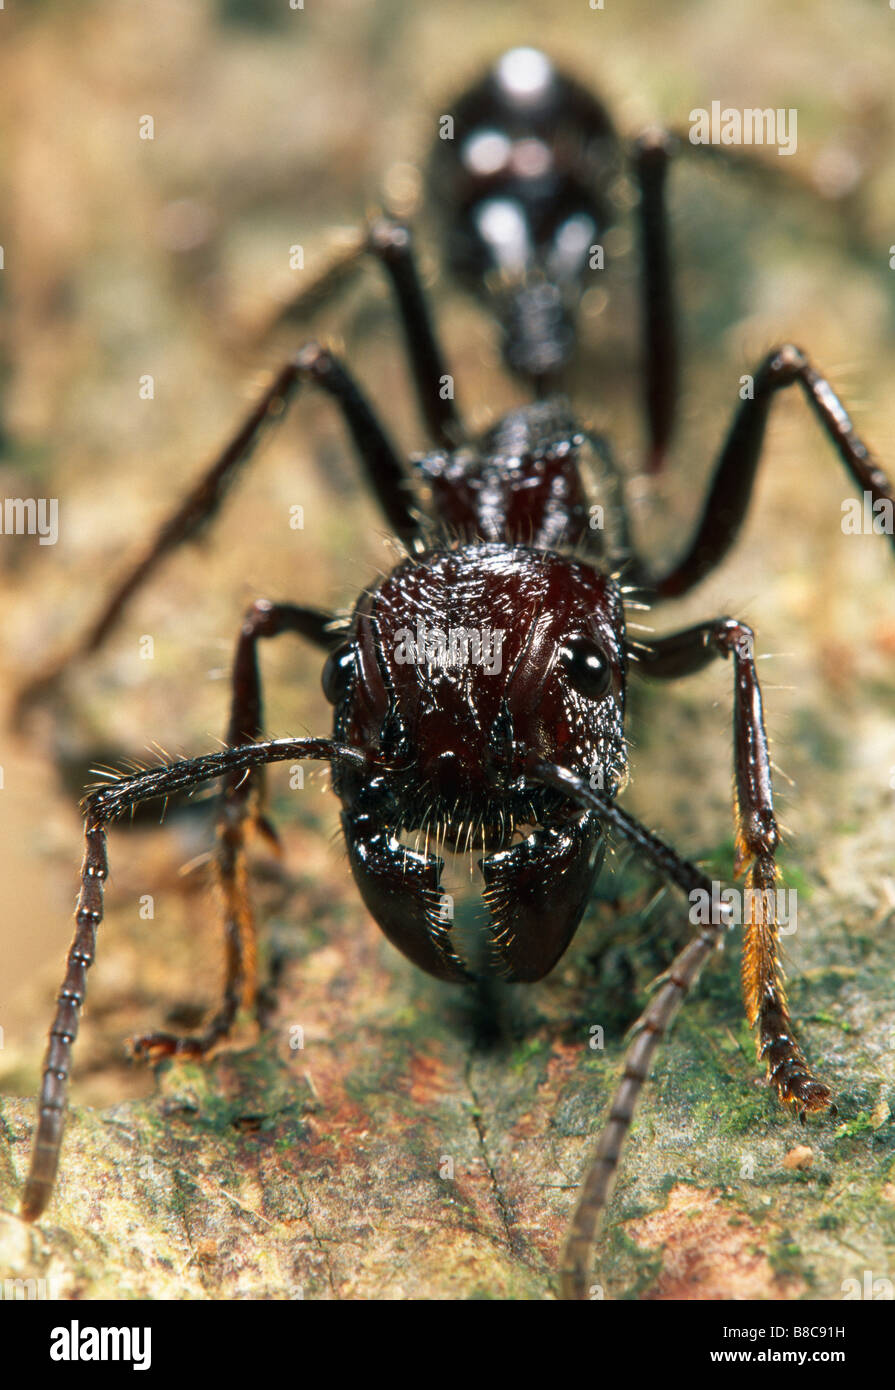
point(462, 663)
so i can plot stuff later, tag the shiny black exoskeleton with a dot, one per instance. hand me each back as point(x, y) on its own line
point(523, 171)
point(479, 688)
point(541, 666)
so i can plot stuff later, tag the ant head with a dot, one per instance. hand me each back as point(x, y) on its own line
point(467, 660)
point(464, 663)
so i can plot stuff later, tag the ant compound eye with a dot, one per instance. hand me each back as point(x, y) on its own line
point(586, 666)
point(337, 672)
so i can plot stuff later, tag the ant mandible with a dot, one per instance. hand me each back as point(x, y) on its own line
point(523, 755)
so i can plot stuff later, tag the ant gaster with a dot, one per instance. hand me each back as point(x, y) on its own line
point(522, 756)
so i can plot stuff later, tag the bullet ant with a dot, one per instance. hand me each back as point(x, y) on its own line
point(522, 758)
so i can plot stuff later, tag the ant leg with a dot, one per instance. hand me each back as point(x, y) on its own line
point(731, 487)
point(670, 990)
point(679, 654)
point(651, 156)
point(337, 271)
point(101, 807)
point(383, 466)
point(241, 802)
point(390, 243)
point(757, 838)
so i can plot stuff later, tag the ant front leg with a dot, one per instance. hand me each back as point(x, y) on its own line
point(101, 807)
point(240, 806)
point(682, 653)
